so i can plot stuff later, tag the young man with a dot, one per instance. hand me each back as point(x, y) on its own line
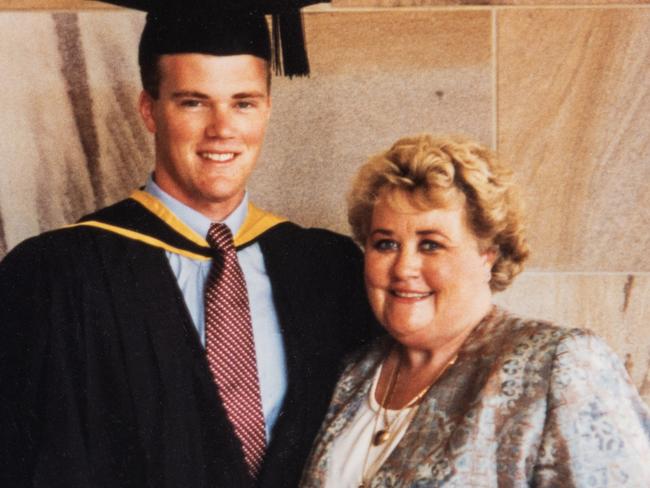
point(139, 348)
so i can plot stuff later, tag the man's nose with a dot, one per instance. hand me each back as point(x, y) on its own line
point(220, 124)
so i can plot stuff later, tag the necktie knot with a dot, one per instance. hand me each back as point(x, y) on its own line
point(219, 237)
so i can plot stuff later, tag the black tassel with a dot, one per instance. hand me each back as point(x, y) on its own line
point(289, 35)
point(277, 43)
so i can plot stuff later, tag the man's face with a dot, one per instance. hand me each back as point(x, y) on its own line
point(209, 123)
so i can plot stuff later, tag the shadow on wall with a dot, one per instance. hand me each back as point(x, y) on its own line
point(71, 84)
point(3, 241)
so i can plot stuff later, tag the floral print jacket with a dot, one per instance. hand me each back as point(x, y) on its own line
point(527, 403)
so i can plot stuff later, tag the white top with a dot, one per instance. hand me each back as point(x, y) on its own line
point(353, 457)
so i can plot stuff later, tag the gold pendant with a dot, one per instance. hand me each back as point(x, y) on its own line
point(380, 437)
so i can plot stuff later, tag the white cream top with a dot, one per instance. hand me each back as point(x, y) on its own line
point(353, 457)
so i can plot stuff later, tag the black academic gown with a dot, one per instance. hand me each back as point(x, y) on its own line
point(103, 379)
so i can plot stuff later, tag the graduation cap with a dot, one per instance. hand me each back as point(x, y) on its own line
point(225, 27)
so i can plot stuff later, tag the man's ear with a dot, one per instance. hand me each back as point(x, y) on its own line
point(146, 107)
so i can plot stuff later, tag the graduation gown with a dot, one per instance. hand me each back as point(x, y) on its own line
point(103, 378)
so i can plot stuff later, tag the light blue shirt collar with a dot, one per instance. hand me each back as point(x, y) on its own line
point(198, 222)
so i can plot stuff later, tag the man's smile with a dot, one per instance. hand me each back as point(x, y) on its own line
point(221, 157)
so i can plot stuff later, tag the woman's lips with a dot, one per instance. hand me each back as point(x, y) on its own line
point(411, 295)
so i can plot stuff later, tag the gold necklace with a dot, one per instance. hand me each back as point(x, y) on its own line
point(381, 436)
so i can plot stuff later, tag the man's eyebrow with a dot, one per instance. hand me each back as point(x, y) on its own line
point(252, 94)
point(189, 94)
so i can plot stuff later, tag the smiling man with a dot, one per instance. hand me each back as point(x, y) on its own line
point(182, 337)
point(209, 119)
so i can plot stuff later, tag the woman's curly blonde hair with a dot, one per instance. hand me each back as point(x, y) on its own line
point(433, 171)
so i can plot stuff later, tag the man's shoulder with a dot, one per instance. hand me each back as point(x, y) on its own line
point(121, 209)
point(313, 253)
point(289, 235)
point(66, 240)
point(291, 231)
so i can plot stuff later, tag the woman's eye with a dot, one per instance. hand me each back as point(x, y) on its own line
point(429, 246)
point(385, 245)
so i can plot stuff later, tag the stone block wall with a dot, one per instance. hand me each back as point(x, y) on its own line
point(559, 89)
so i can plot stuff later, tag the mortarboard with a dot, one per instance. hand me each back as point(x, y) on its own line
point(225, 27)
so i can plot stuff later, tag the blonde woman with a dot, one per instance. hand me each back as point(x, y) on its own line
point(462, 393)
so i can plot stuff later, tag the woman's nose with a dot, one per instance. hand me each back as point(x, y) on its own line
point(407, 264)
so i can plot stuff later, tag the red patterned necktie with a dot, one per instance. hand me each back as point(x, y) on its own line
point(230, 347)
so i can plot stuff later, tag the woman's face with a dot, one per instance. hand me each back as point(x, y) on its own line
point(426, 279)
